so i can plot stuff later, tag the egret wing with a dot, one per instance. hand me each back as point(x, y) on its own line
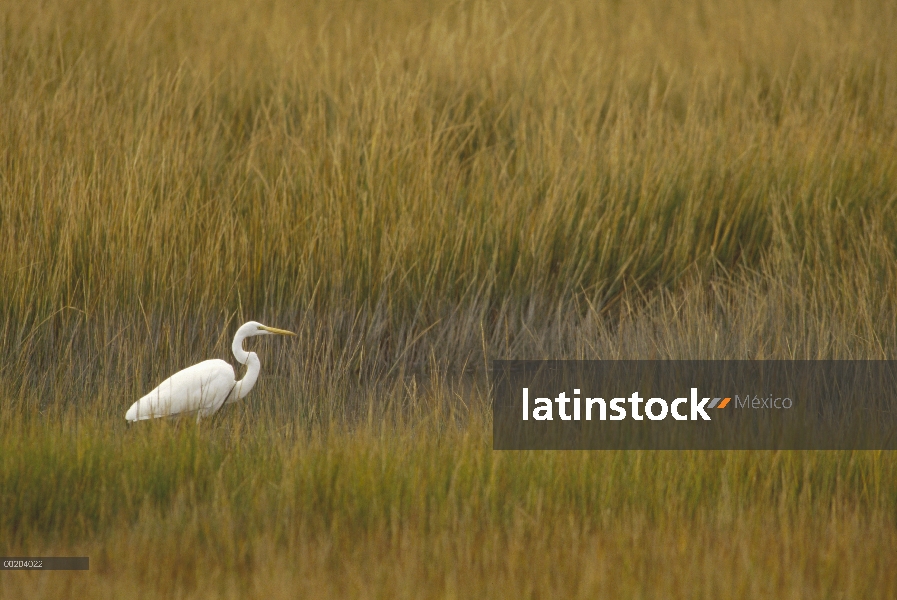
point(203, 387)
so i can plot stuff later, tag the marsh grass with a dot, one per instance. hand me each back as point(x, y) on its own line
point(416, 190)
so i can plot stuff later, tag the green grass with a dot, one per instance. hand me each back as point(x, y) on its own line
point(417, 189)
point(428, 509)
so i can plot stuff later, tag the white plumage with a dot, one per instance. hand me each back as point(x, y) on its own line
point(205, 387)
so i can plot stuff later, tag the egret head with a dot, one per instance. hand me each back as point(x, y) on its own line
point(252, 328)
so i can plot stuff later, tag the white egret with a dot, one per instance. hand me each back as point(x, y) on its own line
point(205, 387)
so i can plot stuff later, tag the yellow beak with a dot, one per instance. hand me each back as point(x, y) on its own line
point(275, 330)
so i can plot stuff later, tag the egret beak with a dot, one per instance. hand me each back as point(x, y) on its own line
point(275, 330)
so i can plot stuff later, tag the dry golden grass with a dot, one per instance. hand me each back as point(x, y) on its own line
point(416, 190)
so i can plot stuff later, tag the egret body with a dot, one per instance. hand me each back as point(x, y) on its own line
point(205, 387)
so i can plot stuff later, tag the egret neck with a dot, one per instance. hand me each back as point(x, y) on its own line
point(250, 359)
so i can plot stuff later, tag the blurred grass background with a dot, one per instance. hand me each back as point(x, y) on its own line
point(416, 189)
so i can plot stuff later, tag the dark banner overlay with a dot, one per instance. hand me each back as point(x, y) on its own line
point(694, 405)
point(44, 563)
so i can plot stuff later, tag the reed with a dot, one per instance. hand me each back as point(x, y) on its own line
point(417, 189)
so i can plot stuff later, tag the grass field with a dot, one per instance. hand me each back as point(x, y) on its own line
point(416, 189)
